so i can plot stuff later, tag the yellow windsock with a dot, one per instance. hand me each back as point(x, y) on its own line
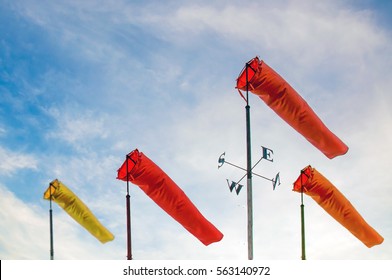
point(75, 207)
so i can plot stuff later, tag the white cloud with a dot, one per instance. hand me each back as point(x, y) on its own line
point(13, 161)
point(77, 128)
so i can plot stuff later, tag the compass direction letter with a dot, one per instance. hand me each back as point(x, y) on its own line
point(221, 160)
point(237, 187)
point(267, 154)
point(276, 181)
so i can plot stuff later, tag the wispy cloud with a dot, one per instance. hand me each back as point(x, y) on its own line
point(3, 131)
point(77, 129)
point(13, 161)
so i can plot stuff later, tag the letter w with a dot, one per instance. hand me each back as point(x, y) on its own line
point(237, 187)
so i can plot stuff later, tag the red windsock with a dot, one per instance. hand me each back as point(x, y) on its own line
point(141, 171)
point(289, 105)
point(336, 204)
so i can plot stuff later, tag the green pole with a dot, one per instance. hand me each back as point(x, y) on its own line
point(303, 256)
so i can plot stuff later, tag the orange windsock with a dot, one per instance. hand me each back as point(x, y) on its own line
point(336, 204)
point(141, 171)
point(263, 81)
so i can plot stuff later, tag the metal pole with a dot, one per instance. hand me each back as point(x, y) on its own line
point(51, 223)
point(249, 172)
point(303, 257)
point(128, 202)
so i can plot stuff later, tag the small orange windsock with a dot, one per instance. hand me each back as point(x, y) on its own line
point(314, 184)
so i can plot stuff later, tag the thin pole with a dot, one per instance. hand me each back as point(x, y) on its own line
point(51, 223)
point(128, 202)
point(303, 256)
point(249, 172)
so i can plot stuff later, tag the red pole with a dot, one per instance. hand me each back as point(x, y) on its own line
point(128, 202)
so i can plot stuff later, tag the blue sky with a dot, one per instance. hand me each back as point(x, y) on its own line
point(82, 83)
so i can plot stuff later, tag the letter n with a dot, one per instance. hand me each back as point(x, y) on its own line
point(276, 181)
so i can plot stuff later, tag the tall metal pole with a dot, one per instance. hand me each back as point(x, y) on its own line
point(249, 172)
point(128, 202)
point(51, 223)
point(303, 256)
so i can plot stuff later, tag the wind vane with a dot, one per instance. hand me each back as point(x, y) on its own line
point(235, 185)
point(266, 154)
